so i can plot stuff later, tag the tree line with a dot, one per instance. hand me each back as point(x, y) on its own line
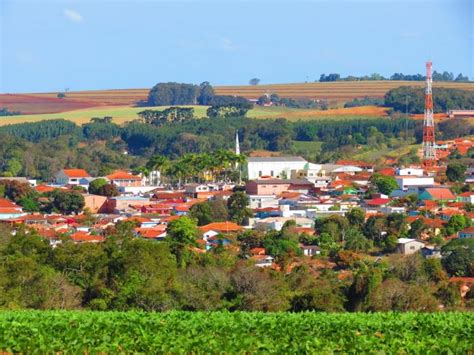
point(412, 100)
point(436, 76)
point(41, 149)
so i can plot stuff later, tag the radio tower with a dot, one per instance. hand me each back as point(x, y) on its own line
point(429, 149)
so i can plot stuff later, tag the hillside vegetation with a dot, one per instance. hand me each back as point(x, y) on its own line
point(182, 332)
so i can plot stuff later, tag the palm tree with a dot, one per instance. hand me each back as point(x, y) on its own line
point(143, 171)
point(160, 163)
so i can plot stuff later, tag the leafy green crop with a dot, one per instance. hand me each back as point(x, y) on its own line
point(125, 332)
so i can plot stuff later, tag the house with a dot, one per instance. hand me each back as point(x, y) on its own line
point(215, 228)
point(277, 186)
point(195, 190)
point(431, 252)
point(408, 246)
point(10, 210)
point(466, 197)
point(263, 260)
point(310, 250)
point(257, 251)
point(275, 167)
point(410, 172)
point(123, 203)
point(466, 233)
point(440, 194)
point(407, 182)
point(95, 203)
point(357, 163)
point(72, 177)
point(124, 179)
point(84, 237)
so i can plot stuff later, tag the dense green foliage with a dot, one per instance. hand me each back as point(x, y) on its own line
point(412, 99)
point(182, 332)
point(444, 76)
point(41, 149)
point(5, 112)
point(38, 131)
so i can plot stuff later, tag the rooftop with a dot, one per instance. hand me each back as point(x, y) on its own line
point(275, 159)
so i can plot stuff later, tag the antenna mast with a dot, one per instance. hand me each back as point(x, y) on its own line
point(429, 145)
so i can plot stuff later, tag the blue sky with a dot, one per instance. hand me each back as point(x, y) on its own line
point(101, 44)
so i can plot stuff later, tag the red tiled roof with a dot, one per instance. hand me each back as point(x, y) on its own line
point(257, 251)
point(387, 172)
point(4, 203)
point(85, 237)
point(468, 280)
point(469, 230)
point(6, 210)
point(223, 227)
point(44, 188)
point(378, 201)
point(122, 175)
point(76, 173)
point(441, 193)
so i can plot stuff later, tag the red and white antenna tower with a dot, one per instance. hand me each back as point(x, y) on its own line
point(429, 145)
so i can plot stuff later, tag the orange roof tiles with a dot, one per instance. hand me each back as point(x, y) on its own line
point(76, 173)
point(85, 237)
point(223, 227)
point(122, 175)
point(441, 193)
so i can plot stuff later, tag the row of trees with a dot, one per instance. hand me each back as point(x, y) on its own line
point(411, 100)
point(444, 76)
point(223, 165)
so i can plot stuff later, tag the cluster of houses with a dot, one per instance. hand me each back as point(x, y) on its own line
point(280, 189)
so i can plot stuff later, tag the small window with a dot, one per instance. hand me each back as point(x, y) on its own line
point(271, 172)
point(412, 247)
point(259, 173)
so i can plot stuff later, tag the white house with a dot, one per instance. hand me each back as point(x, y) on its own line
point(72, 177)
point(410, 172)
point(263, 260)
point(409, 246)
point(277, 167)
point(406, 182)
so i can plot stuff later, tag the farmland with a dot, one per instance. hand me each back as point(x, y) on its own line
point(183, 332)
point(122, 114)
point(341, 91)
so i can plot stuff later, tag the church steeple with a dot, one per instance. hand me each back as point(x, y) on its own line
point(237, 144)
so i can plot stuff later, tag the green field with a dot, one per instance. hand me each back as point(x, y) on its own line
point(217, 332)
point(122, 114)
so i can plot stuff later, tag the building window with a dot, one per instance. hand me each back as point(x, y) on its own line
point(271, 172)
point(260, 173)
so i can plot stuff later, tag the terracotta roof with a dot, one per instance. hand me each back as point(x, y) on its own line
point(441, 193)
point(76, 173)
point(469, 230)
point(44, 188)
point(6, 210)
point(378, 201)
point(387, 172)
point(4, 203)
point(467, 194)
point(122, 175)
point(223, 227)
point(85, 237)
point(468, 280)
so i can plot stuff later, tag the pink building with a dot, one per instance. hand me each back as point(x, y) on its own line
point(277, 186)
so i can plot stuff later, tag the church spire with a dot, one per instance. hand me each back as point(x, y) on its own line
point(237, 144)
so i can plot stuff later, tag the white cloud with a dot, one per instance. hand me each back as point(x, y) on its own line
point(73, 15)
point(228, 45)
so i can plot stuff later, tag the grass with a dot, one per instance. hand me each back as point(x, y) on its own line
point(240, 332)
point(122, 114)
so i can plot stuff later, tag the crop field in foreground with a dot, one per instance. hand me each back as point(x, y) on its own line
point(186, 332)
point(122, 114)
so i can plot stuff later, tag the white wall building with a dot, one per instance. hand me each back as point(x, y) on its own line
point(409, 171)
point(406, 182)
point(277, 167)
